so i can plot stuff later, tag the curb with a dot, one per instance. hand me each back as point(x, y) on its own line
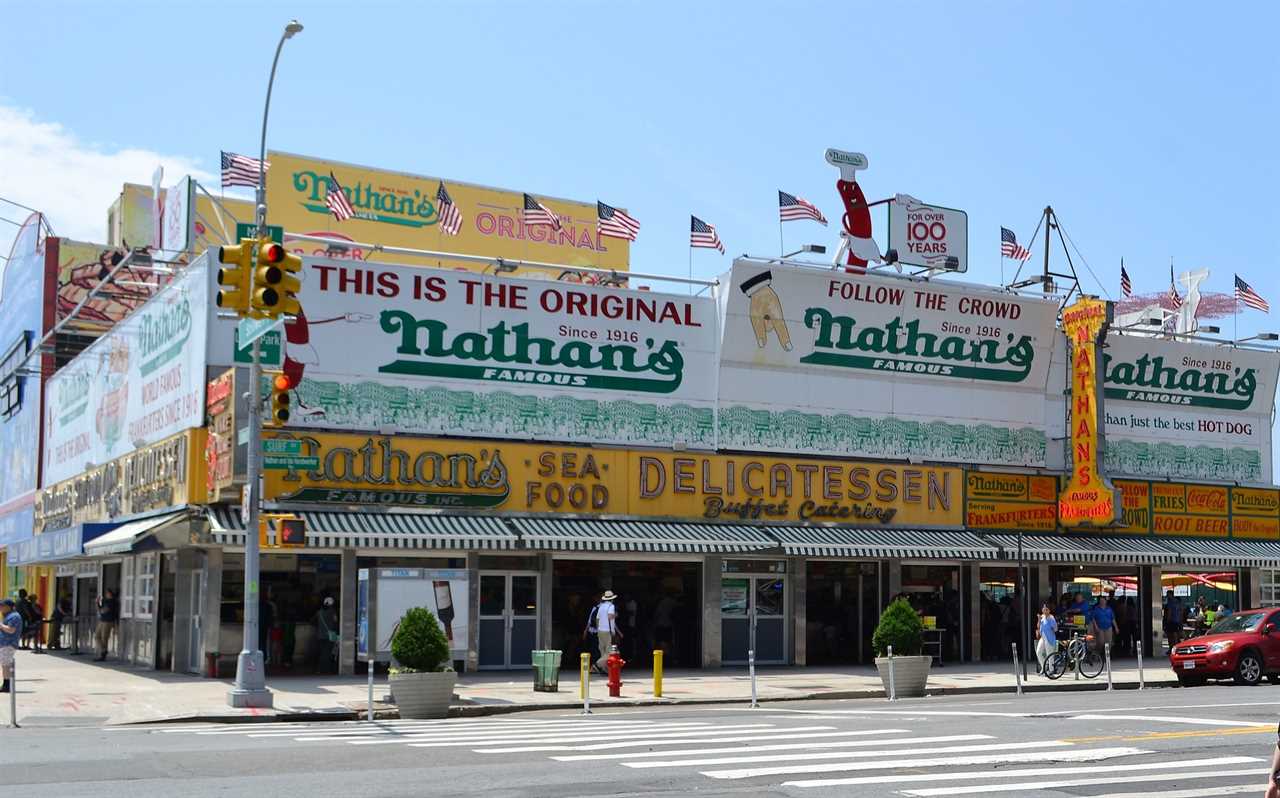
point(483, 710)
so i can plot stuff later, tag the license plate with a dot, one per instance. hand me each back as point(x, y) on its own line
point(1188, 666)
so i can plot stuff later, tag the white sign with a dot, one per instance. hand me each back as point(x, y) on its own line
point(444, 593)
point(822, 362)
point(1188, 411)
point(177, 216)
point(139, 383)
point(929, 235)
point(433, 351)
point(157, 209)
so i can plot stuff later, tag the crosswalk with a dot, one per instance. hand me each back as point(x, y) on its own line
point(814, 753)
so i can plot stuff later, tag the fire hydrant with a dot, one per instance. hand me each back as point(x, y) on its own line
point(615, 664)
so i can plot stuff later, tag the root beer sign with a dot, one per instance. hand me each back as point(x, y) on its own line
point(1088, 499)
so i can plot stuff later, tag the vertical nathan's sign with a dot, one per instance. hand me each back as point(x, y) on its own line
point(1088, 498)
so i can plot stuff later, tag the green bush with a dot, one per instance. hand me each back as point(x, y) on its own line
point(901, 628)
point(418, 644)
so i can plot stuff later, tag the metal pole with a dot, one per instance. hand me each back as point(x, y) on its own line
point(751, 666)
point(1025, 611)
point(657, 673)
point(1142, 685)
point(893, 688)
point(13, 695)
point(369, 667)
point(1106, 652)
point(1017, 671)
point(585, 675)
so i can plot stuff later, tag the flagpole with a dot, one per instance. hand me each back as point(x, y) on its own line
point(690, 267)
point(781, 247)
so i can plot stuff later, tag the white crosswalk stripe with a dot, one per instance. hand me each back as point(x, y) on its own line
point(806, 746)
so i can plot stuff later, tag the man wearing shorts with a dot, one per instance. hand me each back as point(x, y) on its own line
point(10, 635)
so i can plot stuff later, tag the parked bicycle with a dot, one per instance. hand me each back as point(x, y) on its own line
point(1075, 653)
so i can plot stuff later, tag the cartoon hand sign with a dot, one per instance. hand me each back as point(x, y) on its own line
point(766, 310)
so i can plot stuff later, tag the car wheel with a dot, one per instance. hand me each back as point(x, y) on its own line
point(1249, 668)
point(1190, 681)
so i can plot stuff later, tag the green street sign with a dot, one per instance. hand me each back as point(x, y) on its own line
point(279, 462)
point(274, 232)
point(270, 350)
point(282, 446)
point(250, 330)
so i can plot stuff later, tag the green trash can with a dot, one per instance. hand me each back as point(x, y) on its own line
point(546, 671)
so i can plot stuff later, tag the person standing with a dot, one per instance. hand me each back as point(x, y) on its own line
point(606, 621)
point(108, 616)
point(1046, 635)
point(27, 610)
point(1172, 620)
point(10, 636)
point(1103, 621)
point(326, 635)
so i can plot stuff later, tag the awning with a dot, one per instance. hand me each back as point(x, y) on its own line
point(1115, 550)
point(1219, 553)
point(368, 530)
point(59, 544)
point(882, 543)
point(564, 534)
point(124, 537)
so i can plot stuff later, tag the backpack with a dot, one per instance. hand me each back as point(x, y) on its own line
point(592, 620)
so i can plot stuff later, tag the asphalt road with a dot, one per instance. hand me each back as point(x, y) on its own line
point(1173, 743)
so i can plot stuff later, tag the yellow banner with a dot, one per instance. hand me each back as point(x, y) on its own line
point(1189, 510)
point(1088, 498)
point(1135, 506)
point(1255, 513)
point(395, 209)
point(489, 475)
point(1011, 501)
point(215, 223)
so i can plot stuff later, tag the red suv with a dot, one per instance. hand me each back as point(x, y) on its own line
point(1244, 646)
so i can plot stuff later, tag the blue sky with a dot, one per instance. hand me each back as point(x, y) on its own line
point(1150, 130)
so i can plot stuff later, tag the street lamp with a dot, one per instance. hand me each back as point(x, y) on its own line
point(250, 688)
point(817, 249)
point(1262, 336)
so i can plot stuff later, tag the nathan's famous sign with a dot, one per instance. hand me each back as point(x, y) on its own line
point(1186, 410)
point(434, 351)
point(395, 209)
point(356, 470)
point(1088, 498)
point(942, 371)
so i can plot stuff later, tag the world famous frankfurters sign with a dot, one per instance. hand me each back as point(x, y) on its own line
point(1088, 498)
point(821, 361)
point(421, 350)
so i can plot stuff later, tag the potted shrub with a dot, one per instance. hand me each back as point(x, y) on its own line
point(422, 676)
point(901, 628)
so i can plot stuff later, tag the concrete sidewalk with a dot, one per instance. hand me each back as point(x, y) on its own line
point(60, 690)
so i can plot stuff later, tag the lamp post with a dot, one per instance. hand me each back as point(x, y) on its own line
point(250, 689)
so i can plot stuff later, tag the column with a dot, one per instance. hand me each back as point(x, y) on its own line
point(1151, 629)
point(211, 612)
point(473, 614)
point(973, 603)
point(895, 580)
point(183, 612)
point(347, 613)
point(546, 573)
point(797, 580)
point(1249, 590)
point(711, 586)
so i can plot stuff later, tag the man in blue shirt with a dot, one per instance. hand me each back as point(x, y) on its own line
point(10, 636)
point(1103, 623)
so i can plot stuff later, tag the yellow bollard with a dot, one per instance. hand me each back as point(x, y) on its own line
point(584, 668)
point(657, 673)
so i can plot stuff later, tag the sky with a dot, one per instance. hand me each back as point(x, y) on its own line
point(1149, 129)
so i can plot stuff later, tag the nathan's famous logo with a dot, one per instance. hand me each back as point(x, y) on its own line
point(73, 395)
point(113, 404)
point(1190, 383)
point(905, 348)
point(987, 486)
point(509, 354)
point(163, 335)
point(380, 204)
point(377, 472)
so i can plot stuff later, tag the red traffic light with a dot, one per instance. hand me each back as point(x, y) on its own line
point(281, 382)
point(271, 253)
point(291, 532)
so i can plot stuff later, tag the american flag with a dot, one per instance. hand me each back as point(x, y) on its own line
point(241, 170)
point(535, 213)
point(615, 223)
point(1126, 285)
point(1010, 248)
point(450, 216)
point(337, 200)
point(791, 207)
point(1173, 290)
point(702, 234)
point(1246, 294)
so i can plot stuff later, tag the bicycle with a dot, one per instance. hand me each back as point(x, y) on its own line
point(1076, 653)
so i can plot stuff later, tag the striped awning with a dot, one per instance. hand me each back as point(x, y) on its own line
point(932, 544)
point(1114, 550)
point(370, 530)
point(564, 534)
point(1220, 553)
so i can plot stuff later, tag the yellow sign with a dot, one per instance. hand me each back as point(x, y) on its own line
point(1135, 507)
point(521, 477)
point(1189, 510)
point(130, 219)
point(1255, 513)
point(395, 209)
point(1088, 498)
point(1011, 501)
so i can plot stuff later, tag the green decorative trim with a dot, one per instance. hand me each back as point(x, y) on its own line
point(843, 434)
point(1141, 458)
point(436, 410)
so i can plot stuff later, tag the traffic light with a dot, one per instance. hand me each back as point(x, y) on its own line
point(291, 532)
point(236, 276)
point(275, 281)
point(280, 385)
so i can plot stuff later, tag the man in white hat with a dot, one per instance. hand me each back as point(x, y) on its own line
point(604, 623)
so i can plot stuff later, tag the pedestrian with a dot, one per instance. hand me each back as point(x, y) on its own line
point(27, 612)
point(1171, 619)
point(1103, 623)
point(61, 613)
point(603, 621)
point(326, 635)
point(10, 636)
point(1046, 636)
point(1273, 781)
point(108, 616)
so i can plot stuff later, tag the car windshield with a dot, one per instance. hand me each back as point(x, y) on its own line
point(1238, 623)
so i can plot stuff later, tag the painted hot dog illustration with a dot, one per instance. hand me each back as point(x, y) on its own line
point(857, 246)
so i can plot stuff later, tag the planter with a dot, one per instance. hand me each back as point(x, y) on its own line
point(910, 675)
point(423, 695)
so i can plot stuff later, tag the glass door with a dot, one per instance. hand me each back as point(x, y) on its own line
point(753, 617)
point(508, 619)
point(195, 640)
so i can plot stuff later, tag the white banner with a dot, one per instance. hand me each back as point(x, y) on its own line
point(823, 362)
point(929, 235)
point(1188, 411)
point(179, 200)
point(432, 351)
point(138, 384)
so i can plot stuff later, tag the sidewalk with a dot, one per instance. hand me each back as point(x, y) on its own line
point(59, 690)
